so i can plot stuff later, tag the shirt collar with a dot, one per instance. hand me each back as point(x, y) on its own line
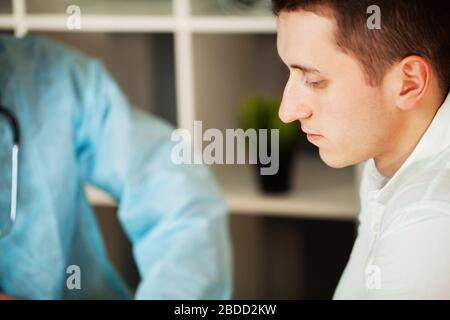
point(435, 140)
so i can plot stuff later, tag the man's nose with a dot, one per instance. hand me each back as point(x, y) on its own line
point(293, 106)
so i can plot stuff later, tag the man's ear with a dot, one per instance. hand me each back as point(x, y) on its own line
point(413, 75)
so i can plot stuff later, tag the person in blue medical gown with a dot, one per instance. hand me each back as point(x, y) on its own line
point(77, 128)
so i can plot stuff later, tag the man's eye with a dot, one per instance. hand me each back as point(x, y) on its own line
point(314, 84)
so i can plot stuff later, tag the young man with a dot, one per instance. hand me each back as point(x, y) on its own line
point(77, 127)
point(380, 95)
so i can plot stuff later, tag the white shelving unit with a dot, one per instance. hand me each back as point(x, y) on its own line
point(207, 68)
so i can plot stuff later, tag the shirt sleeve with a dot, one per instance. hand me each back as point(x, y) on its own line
point(413, 259)
point(174, 215)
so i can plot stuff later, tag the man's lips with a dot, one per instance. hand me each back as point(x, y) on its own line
point(311, 135)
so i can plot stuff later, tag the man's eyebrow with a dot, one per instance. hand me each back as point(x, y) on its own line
point(304, 69)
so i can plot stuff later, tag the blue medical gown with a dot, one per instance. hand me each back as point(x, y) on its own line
point(77, 128)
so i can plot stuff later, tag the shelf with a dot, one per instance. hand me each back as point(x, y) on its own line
point(6, 22)
point(232, 24)
point(135, 23)
point(228, 8)
point(317, 192)
point(102, 7)
point(100, 23)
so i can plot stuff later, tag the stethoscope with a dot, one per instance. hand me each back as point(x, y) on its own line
point(15, 157)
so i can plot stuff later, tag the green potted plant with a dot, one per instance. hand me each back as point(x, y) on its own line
point(258, 112)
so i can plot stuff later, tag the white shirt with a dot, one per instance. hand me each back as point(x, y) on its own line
point(403, 246)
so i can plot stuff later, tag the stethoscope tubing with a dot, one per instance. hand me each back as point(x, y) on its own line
point(14, 169)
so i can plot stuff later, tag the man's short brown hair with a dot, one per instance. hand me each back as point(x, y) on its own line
point(408, 27)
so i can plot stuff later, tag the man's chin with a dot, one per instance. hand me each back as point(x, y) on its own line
point(336, 161)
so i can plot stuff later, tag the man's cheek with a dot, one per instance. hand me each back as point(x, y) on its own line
point(341, 139)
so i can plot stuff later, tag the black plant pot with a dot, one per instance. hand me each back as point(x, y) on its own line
point(281, 181)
